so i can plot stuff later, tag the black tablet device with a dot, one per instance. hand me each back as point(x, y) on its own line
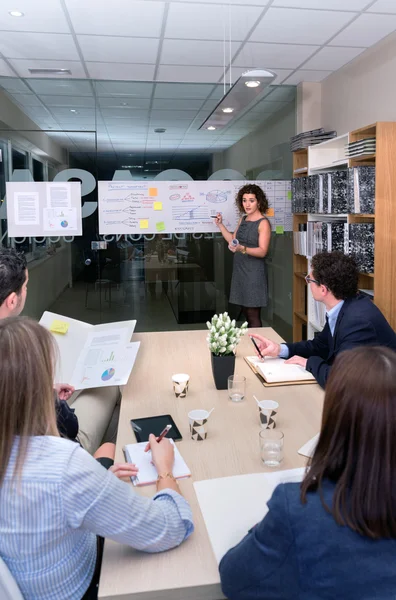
point(143, 427)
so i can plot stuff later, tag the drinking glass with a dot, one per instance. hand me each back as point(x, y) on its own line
point(271, 447)
point(236, 388)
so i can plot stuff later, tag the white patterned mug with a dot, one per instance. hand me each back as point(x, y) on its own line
point(198, 424)
point(267, 413)
point(180, 384)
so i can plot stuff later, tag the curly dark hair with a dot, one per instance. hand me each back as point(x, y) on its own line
point(12, 272)
point(338, 272)
point(251, 188)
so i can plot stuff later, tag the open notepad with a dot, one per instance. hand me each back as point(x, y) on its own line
point(309, 448)
point(232, 505)
point(274, 370)
point(147, 472)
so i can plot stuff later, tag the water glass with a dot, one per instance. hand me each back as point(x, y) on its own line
point(271, 447)
point(236, 387)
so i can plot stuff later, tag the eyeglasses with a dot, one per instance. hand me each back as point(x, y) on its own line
point(309, 280)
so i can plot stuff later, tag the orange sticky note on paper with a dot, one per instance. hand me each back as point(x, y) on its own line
point(143, 223)
point(270, 212)
point(157, 205)
point(153, 192)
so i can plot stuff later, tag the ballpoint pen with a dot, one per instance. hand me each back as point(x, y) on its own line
point(160, 437)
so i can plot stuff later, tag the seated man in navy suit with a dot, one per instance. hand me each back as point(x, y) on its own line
point(351, 319)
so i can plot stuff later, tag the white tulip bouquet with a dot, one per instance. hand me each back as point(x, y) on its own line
point(224, 336)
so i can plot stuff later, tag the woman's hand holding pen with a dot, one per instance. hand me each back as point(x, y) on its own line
point(218, 219)
point(163, 454)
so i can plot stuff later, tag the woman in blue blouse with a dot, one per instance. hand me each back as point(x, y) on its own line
point(334, 535)
point(55, 498)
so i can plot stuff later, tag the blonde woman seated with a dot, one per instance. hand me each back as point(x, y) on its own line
point(334, 535)
point(55, 499)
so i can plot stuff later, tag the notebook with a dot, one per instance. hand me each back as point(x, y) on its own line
point(274, 370)
point(135, 453)
point(309, 448)
point(232, 505)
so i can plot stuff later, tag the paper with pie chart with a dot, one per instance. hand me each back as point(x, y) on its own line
point(43, 209)
point(105, 360)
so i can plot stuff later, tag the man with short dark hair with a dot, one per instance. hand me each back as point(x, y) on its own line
point(351, 319)
point(92, 416)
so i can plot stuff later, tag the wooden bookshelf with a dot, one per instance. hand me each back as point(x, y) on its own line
point(300, 163)
point(383, 280)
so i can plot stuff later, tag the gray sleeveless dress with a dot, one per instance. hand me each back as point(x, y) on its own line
point(249, 286)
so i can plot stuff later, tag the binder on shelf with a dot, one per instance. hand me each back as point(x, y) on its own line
point(361, 190)
point(361, 245)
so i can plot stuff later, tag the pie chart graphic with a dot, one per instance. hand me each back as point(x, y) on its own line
point(108, 374)
point(64, 223)
point(216, 196)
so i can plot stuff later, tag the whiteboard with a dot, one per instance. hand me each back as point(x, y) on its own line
point(43, 209)
point(138, 207)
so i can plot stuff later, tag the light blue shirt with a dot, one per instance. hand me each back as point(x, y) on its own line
point(48, 525)
point(332, 316)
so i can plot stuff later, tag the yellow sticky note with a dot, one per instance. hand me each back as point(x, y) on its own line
point(160, 226)
point(157, 205)
point(59, 327)
point(270, 212)
point(289, 195)
point(153, 192)
point(279, 229)
point(143, 223)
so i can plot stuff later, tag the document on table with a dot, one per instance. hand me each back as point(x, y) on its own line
point(309, 448)
point(232, 505)
point(274, 370)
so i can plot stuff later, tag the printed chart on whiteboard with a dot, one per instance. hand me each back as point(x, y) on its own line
point(182, 206)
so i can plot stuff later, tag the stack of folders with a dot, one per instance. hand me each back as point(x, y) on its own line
point(361, 245)
point(361, 148)
point(321, 194)
point(300, 240)
point(299, 194)
point(147, 474)
point(310, 138)
point(361, 190)
point(325, 236)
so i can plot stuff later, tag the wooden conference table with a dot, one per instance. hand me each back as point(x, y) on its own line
point(232, 448)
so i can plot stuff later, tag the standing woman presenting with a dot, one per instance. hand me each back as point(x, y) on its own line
point(249, 287)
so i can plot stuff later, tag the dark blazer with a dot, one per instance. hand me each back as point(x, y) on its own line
point(359, 323)
point(298, 552)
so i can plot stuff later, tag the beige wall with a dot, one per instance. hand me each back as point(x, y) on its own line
point(267, 146)
point(362, 92)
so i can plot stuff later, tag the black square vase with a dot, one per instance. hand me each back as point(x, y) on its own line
point(222, 367)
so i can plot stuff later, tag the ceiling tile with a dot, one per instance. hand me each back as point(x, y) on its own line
point(123, 88)
point(69, 101)
point(174, 115)
point(118, 49)
point(14, 85)
point(39, 15)
point(282, 25)
point(206, 21)
point(194, 52)
point(125, 102)
point(22, 67)
point(272, 56)
point(5, 70)
point(58, 87)
point(118, 17)
point(25, 99)
point(367, 30)
point(124, 71)
point(121, 113)
point(383, 6)
point(351, 5)
point(183, 90)
point(177, 104)
point(304, 75)
point(330, 58)
point(266, 107)
point(67, 112)
point(16, 44)
point(189, 74)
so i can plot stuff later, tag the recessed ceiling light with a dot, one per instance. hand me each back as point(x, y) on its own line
point(159, 130)
point(227, 110)
point(124, 103)
point(16, 13)
point(252, 84)
point(211, 128)
point(73, 110)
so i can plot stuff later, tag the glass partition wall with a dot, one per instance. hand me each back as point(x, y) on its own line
point(90, 131)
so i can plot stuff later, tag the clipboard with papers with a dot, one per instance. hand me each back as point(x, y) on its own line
point(273, 372)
